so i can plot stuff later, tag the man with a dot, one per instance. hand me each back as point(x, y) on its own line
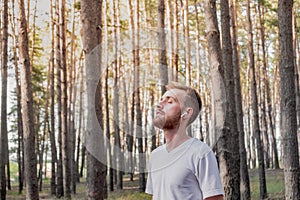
point(184, 168)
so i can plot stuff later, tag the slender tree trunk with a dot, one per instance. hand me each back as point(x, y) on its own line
point(3, 136)
point(232, 159)
point(264, 82)
point(245, 183)
point(116, 64)
point(257, 135)
point(162, 51)
point(20, 150)
point(288, 125)
point(80, 117)
point(66, 154)
point(186, 28)
point(175, 42)
point(107, 110)
point(137, 101)
point(132, 112)
point(52, 106)
point(60, 186)
point(27, 110)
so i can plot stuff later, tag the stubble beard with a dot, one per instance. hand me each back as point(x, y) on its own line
point(167, 124)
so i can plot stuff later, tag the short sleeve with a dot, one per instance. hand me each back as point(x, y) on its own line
point(208, 176)
point(149, 188)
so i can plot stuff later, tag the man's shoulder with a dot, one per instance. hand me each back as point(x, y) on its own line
point(200, 147)
point(158, 149)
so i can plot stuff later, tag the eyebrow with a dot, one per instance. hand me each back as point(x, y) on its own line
point(170, 97)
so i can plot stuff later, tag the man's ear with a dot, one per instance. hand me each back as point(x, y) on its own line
point(188, 113)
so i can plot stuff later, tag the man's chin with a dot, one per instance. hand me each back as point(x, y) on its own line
point(159, 124)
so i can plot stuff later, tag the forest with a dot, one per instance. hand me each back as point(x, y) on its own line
point(80, 80)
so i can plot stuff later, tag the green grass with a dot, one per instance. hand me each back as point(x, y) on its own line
point(275, 184)
point(274, 178)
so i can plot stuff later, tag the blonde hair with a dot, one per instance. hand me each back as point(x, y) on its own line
point(192, 98)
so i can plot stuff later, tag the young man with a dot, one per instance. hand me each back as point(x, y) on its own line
point(184, 168)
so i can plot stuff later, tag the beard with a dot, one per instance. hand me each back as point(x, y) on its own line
point(163, 122)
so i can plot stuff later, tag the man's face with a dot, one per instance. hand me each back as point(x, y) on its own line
point(168, 110)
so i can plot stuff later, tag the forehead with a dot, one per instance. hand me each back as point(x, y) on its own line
point(178, 95)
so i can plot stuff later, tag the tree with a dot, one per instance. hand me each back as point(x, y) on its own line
point(3, 136)
point(288, 123)
point(91, 12)
point(231, 143)
point(224, 127)
point(257, 135)
point(163, 68)
point(52, 106)
point(66, 154)
point(245, 183)
point(20, 149)
point(116, 123)
point(27, 110)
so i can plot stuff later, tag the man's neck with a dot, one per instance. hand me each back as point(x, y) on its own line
point(175, 137)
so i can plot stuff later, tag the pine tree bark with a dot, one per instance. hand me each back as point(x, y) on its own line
point(3, 136)
point(116, 88)
point(91, 12)
point(20, 150)
point(257, 134)
point(288, 124)
point(245, 182)
point(162, 51)
point(27, 110)
point(52, 106)
point(66, 154)
point(129, 136)
point(231, 143)
point(60, 186)
point(137, 101)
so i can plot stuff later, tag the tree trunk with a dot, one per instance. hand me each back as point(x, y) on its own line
point(66, 154)
point(162, 51)
point(129, 136)
point(257, 135)
point(91, 12)
point(3, 136)
point(27, 110)
point(52, 106)
point(288, 125)
point(245, 183)
point(60, 186)
point(231, 143)
point(187, 50)
point(116, 123)
point(137, 101)
point(20, 150)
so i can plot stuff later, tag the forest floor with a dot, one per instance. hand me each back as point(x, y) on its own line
point(274, 179)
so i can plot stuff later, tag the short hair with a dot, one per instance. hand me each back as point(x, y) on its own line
point(192, 99)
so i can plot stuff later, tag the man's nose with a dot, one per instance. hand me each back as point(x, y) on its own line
point(159, 105)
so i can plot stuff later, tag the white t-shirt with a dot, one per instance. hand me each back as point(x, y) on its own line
point(188, 172)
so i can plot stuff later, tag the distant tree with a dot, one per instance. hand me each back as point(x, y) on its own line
point(288, 123)
point(163, 68)
point(66, 150)
point(245, 182)
point(59, 176)
point(257, 134)
point(20, 141)
point(3, 136)
point(52, 105)
point(27, 110)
